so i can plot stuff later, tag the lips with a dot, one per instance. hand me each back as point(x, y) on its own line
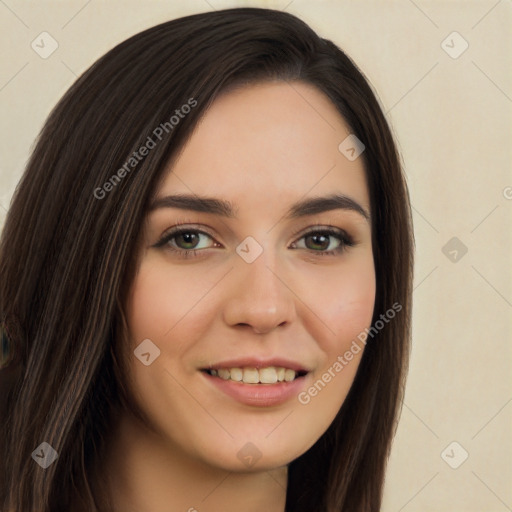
point(262, 383)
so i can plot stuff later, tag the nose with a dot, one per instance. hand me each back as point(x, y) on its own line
point(258, 297)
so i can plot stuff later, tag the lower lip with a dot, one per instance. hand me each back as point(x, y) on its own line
point(258, 395)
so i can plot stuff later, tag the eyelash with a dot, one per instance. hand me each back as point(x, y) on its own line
point(320, 229)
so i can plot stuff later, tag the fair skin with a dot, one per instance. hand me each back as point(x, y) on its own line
point(263, 148)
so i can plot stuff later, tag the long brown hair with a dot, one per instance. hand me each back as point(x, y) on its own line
point(67, 256)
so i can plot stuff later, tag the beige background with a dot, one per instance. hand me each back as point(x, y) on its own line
point(452, 118)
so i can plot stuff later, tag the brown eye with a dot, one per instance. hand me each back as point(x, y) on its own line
point(319, 242)
point(186, 241)
point(329, 241)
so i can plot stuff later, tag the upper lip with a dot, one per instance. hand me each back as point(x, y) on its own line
point(252, 362)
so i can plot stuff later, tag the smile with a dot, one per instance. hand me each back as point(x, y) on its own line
point(251, 375)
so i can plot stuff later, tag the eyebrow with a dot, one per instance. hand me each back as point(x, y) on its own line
point(303, 208)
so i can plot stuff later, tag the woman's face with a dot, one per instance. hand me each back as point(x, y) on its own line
point(269, 288)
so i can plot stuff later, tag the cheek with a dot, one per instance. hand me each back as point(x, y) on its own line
point(352, 308)
point(171, 308)
point(342, 301)
point(344, 307)
point(163, 299)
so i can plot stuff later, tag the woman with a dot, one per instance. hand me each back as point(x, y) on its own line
point(205, 280)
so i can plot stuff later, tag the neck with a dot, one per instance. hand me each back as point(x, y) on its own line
point(142, 472)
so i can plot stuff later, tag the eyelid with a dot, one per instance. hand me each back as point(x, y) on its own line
point(320, 226)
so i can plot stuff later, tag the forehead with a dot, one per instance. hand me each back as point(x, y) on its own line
point(268, 144)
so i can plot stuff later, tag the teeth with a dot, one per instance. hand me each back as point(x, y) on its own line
point(223, 373)
point(269, 375)
point(289, 375)
point(237, 374)
point(251, 376)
